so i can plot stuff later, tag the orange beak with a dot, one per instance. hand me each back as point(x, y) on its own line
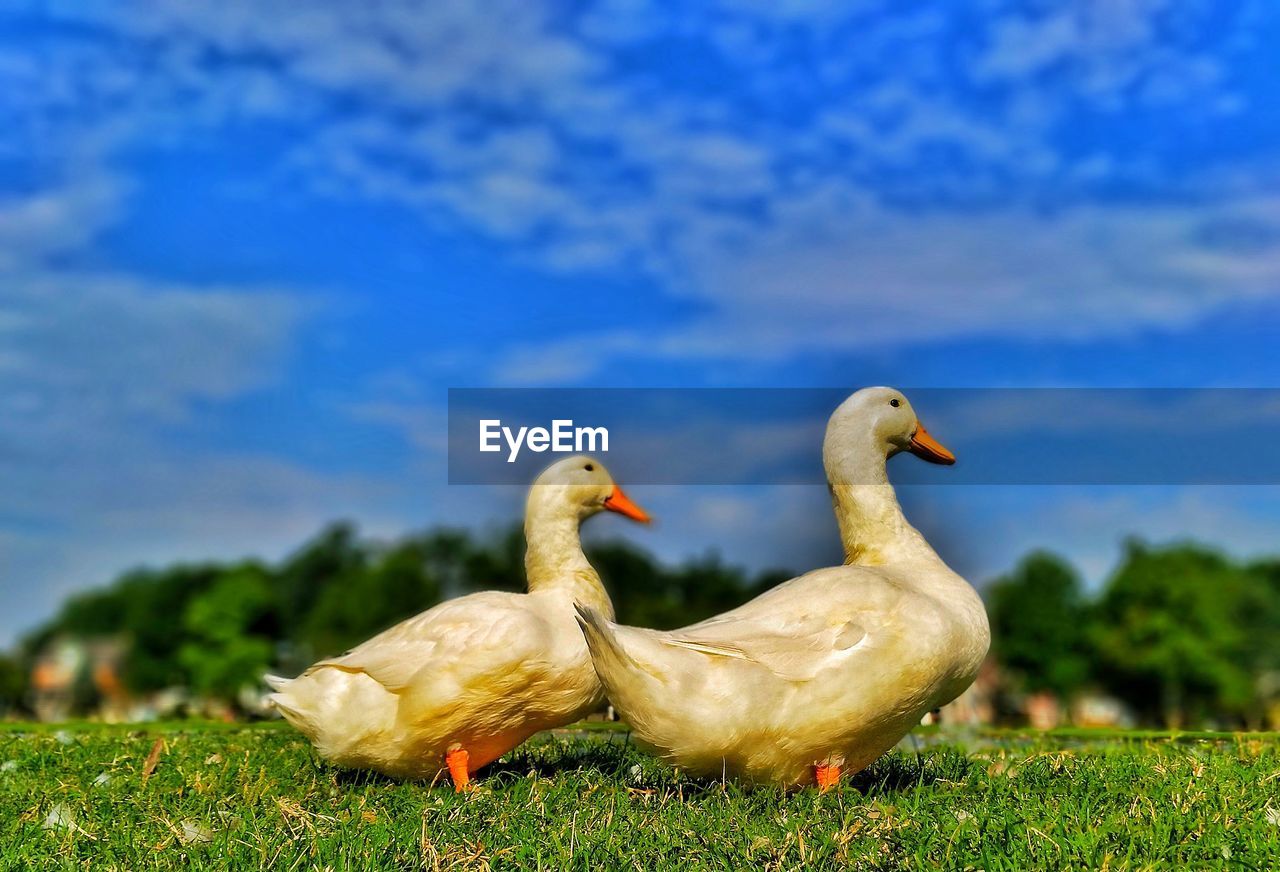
point(927, 448)
point(621, 503)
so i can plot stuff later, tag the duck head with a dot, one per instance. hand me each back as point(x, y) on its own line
point(580, 486)
point(874, 424)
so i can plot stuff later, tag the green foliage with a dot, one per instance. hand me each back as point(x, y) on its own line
point(1039, 623)
point(95, 612)
point(1263, 622)
point(390, 587)
point(229, 629)
point(152, 605)
point(1182, 633)
point(647, 594)
point(215, 628)
point(326, 561)
point(496, 564)
point(13, 684)
point(636, 584)
point(1174, 636)
point(258, 798)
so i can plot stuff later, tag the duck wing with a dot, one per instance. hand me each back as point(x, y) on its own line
point(477, 633)
point(797, 652)
point(802, 627)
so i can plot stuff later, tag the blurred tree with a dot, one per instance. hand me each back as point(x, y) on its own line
point(392, 586)
point(1039, 623)
point(1179, 632)
point(139, 607)
point(96, 612)
point(1263, 635)
point(633, 579)
point(647, 594)
point(497, 563)
point(142, 607)
point(329, 560)
point(1173, 634)
point(768, 580)
point(151, 622)
point(445, 553)
point(13, 685)
point(700, 588)
point(228, 630)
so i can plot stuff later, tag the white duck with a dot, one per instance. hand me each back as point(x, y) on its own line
point(827, 671)
point(463, 683)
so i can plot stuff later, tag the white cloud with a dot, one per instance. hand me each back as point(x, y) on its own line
point(853, 278)
point(782, 199)
point(106, 387)
point(846, 278)
point(420, 422)
point(1114, 53)
point(104, 378)
point(87, 519)
point(91, 350)
point(56, 220)
point(590, 164)
point(759, 527)
point(785, 222)
point(570, 360)
point(993, 527)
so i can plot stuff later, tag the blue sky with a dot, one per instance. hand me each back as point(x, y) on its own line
point(245, 248)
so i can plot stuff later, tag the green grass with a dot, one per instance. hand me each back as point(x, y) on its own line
point(256, 797)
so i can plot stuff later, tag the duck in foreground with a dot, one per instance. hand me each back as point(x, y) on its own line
point(827, 671)
point(463, 683)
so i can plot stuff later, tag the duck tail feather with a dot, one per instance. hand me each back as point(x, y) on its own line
point(607, 650)
point(595, 628)
point(616, 649)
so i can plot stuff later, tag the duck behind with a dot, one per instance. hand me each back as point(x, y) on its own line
point(468, 680)
point(825, 672)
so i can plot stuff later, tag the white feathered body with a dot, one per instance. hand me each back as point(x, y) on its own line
point(830, 669)
point(483, 671)
point(833, 666)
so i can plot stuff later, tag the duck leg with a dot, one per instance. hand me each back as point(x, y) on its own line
point(456, 759)
point(826, 774)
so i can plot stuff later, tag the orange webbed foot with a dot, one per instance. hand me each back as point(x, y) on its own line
point(456, 759)
point(826, 774)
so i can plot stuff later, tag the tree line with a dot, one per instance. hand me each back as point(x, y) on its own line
point(1181, 633)
point(214, 628)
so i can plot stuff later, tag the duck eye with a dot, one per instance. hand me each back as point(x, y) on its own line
point(894, 402)
point(589, 468)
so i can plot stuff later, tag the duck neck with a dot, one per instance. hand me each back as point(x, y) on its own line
point(873, 529)
point(872, 526)
point(553, 557)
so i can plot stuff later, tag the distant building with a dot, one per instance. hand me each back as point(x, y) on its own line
point(1043, 710)
point(993, 699)
point(977, 705)
point(78, 676)
point(1100, 710)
